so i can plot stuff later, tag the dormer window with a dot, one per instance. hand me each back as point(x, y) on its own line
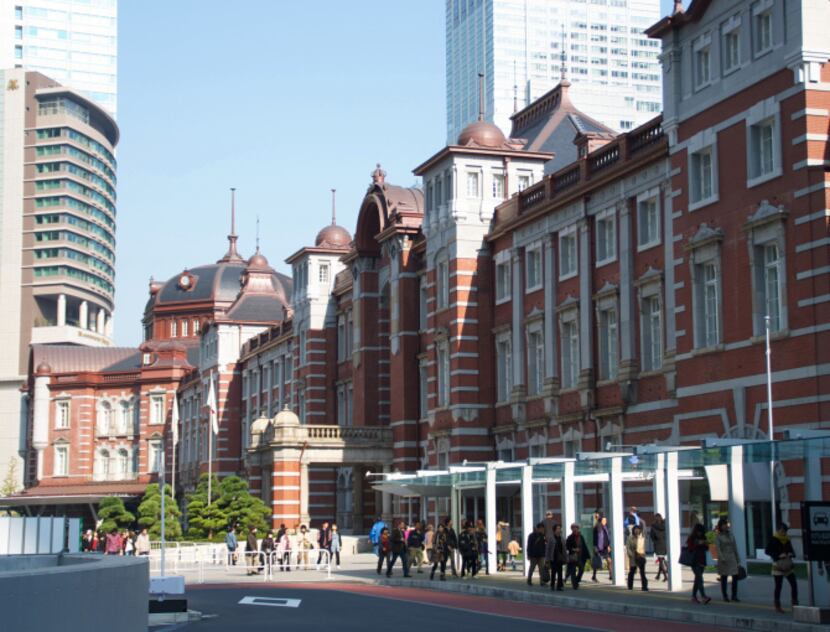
point(524, 181)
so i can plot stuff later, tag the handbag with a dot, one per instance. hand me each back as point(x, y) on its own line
point(783, 565)
point(741, 573)
point(596, 562)
point(687, 557)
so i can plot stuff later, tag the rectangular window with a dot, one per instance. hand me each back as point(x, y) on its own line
point(570, 353)
point(185, 323)
point(18, 32)
point(535, 362)
point(533, 268)
point(62, 415)
point(567, 254)
point(341, 337)
point(301, 405)
point(324, 274)
point(773, 299)
point(174, 327)
point(349, 404)
point(423, 391)
point(763, 32)
point(196, 327)
point(498, 186)
point(422, 303)
point(341, 404)
point(762, 154)
point(302, 348)
point(606, 227)
point(442, 281)
point(731, 50)
point(504, 373)
point(648, 223)
point(652, 332)
point(702, 68)
point(157, 409)
point(61, 460)
point(608, 346)
point(154, 456)
point(708, 307)
point(524, 181)
point(443, 361)
point(473, 189)
point(18, 52)
point(18, 13)
point(503, 281)
point(702, 175)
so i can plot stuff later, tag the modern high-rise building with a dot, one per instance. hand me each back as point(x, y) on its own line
point(74, 42)
point(57, 231)
point(520, 47)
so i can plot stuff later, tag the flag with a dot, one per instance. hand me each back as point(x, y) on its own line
point(214, 421)
point(174, 420)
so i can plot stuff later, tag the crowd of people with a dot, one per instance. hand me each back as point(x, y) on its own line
point(123, 542)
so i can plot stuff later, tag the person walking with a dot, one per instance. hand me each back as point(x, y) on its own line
point(535, 551)
point(374, 534)
point(429, 540)
point(602, 548)
point(698, 546)
point(728, 560)
point(636, 549)
point(304, 546)
point(251, 552)
point(142, 543)
point(577, 552)
point(323, 542)
point(440, 550)
point(336, 543)
point(780, 551)
point(556, 558)
point(397, 540)
point(513, 550)
point(114, 543)
point(452, 544)
point(231, 544)
point(483, 548)
point(266, 548)
point(88, 542)
point(283, 547)
point(502, 539)
point(468, 547)
point(384, 549)
point(415, 547)
point(657, 532)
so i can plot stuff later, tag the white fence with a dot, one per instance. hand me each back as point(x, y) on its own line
point(38, 535)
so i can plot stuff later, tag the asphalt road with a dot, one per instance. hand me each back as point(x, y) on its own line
point(343, 607)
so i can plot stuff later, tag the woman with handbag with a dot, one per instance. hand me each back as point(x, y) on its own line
point(658, 542)
point(728, 562)
point(780, 550)
point(697, 546)
point(602, 548)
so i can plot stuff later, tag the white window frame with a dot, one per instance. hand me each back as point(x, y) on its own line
point(605, 225)
point(763, 115)
point(104, 421)
point(569, 346)
point(702, 61)
point(157, 409)
point(608, 338)
point(524, 180)
point(504, 277)
point(185, 323)
point(707, 293)
point(504, 367)
point(761, 17)
point(730, 32)
point(60, 449)
point(651, 328)
point(473, 181)
point(535, 358)
point(568, 235)
point(498, 187)
point(442, 283)
point(534, 276)
point(442, 365)
point(174, 325)
point(62, 414)
point(648, 209)
point(764, 232)
point(701, 144)
point(125, 417)
point(154, 455)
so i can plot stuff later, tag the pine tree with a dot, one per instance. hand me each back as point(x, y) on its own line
point(149, 513)
point(113, 514)
point(204, 520)
point(241, 507)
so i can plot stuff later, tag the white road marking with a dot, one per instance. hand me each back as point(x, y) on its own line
point(274, 602)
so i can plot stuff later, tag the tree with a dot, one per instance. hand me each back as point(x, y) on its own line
point(204, 520)
point(149, 512)
point(232, 504)
point(113, 514)
point(9, 485)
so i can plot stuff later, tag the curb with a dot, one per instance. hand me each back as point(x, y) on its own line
point(613, 607)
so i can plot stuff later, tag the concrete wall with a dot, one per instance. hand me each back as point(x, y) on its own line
point(74, 592)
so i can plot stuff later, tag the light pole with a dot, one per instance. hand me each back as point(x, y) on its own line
point(163, 513)
point(771, 427)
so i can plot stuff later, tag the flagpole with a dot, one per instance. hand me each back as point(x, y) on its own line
point(771, 429)
point(163, 513)
point(175, 431)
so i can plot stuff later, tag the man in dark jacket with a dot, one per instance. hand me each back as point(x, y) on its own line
point(324, 542)
point(468, 547)
point(415, 547)
point(555, 555)
point(578, 554)
point(397, 540)
point(252, 552)
point(536, 553)
point(452, 544)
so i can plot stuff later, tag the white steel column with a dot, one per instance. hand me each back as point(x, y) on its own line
point(527, 509)
point(672, 517)
point(83, 315)
point(100, 317)
point(617, 528)
point(567, 493)
point(737, 513)
point(660, 485)
point(490, 516)
point(61, 315)
point(386, 500)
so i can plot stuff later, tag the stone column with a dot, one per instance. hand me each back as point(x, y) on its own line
point(357, 500)
point(627, 323)
point(61, 315)
point(551, 367)
point(100, 319)
point(518, 321)
point(386, 500)
point(83, 315)
point(586, 312)
point(40, 419)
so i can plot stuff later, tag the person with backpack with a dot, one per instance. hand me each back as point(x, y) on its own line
point(697, 546)
point(602, 548)
point(397, 541)
point(440, 550)
point(468, 547)
point(535, 551)
point(384, 549)
point(502, 539)
point(374, 535)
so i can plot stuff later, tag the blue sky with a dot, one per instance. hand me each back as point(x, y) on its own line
point(284, 101)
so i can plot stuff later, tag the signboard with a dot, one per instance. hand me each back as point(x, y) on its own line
point(815, 525)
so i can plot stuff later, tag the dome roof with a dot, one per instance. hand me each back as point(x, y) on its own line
point(260, 425)
point(286, 418)
point(43, 368)
point(482, 133)
point(333, 236)
point(258, 261)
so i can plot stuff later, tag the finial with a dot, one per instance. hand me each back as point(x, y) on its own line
point(563, 59)
point(232, 254)
point(678, 7)
point(378, 175)
point(333, 208)
point(481, 96)
point(257, 233)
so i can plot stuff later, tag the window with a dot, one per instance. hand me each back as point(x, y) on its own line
point(702, 67)
point(767, 239)
point(524, 181)
point(606, 227)
point(185, 323)
point(173, 328)
point(349, 404)
point(443, 360)
point(104, 418)
point(533, 267)
point(18, 52)
point(505, 453)
point(341, 404)
point(763, 31)
point(498, 186)
point(18, 32)
point(18, 13)
point(195, 326)
point(731, 50)
point(504, 372)
point(652, 333)
point(422, 303)
point(535, 362)
point(608, 346)
point(567, 254)
point(423, 391)
point(154, 455)
point(302, 348)
point(762, 150)
point(707, 297)
point(442, 281)
point(648, 223)
point(324, 274)
point(503, 279)
point(702, 176)
point(570, 353)
point(772, 285)
point(157, 409)
point(61, 460)
point(62, 415)
point(301, 405)
point(473, 184)
point(124, 469)
point(125, 418)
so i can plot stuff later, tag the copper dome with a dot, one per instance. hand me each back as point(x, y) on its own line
point(482, 133)
point(333, 236)
point(258, 261)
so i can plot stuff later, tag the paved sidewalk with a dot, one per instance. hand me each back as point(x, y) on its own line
point(754, 612)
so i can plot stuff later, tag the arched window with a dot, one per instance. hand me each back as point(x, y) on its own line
point(105, 418)
point(123, 463)
point(103, 465)
point(125, 419)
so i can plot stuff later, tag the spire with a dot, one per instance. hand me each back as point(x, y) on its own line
point(515, 90)
point(334, 208)
point(563, 60)
point(481, 96)
point(678, 7)
point(232, 255)
point(378, 175)
point(257, 233)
